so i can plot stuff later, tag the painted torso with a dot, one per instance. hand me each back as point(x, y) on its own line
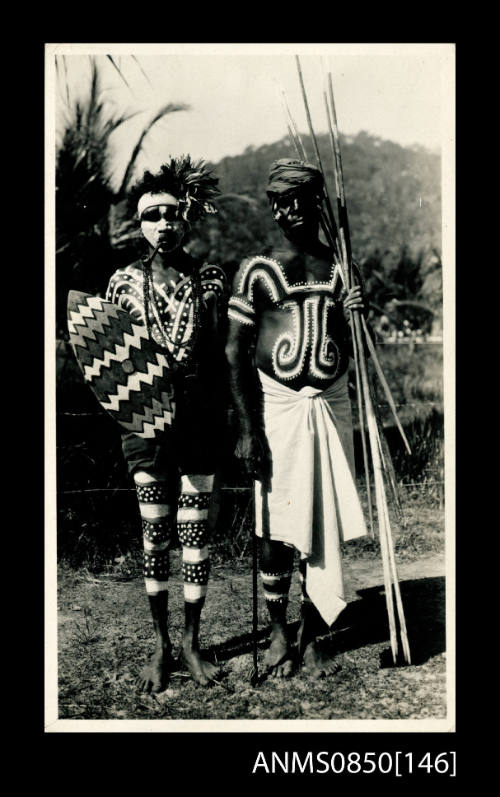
point(172, 307)
point(295, 306)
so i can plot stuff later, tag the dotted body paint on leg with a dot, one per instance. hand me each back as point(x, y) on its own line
point(192, 527)
point(276, 570)
point(276, 587)
point(154, 508)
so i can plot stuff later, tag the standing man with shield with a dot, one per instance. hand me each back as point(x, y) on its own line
point(295, 414)
point(182, 304)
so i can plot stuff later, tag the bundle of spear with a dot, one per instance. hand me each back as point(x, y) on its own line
point(338, 238)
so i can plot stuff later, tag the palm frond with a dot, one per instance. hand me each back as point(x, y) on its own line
point(142, 70)
point(171, 107)
point(95, 88)
point(66, 79)
point(111, 124)
point(112, 60)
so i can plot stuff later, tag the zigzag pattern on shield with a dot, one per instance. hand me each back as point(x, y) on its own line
point(125, 369)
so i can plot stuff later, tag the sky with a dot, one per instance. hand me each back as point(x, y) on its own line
point(398, 92)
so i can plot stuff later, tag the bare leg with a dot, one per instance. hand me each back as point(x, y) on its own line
point(203, 671)
point(276, 573)
point(156, 526)
point(192, 516)
point(154, 676)
point(314, 661)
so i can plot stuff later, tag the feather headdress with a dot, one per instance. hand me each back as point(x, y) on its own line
point(190, 182)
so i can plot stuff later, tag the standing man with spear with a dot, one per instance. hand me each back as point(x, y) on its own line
point(294, 412)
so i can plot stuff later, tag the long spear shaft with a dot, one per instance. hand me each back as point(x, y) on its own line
point(346, 238)
point(387, 549)
point(292, 128)
point(346, 256)
point(385, 453)
point(386, 542)
point(383, 381)
point(290, 133)
point(395, 579)
point(388, 466)
point(254, 678)
point(316, 150)
point(308, 114)
point(379, 495)
point(335, 137)
point(362, 415)
point(341, 209)
point(301, 153)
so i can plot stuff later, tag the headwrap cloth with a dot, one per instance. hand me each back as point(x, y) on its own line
point(287, 175)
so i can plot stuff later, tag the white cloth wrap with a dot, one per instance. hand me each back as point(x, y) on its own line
point(313, 502)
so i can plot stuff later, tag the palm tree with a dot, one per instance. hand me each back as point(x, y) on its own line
point(84, 194)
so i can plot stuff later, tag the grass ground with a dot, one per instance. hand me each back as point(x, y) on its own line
point(105, 635)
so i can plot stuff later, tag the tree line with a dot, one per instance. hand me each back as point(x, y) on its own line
point(393, 194)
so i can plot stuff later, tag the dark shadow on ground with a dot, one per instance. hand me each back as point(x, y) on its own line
point(364, 622)
point(239, 645)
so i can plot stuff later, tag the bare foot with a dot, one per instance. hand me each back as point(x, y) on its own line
point(154, 675)
point(202, 671)
point(278, 661)
point(317, 663)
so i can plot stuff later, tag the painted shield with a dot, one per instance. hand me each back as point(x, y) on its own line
point(125, 369)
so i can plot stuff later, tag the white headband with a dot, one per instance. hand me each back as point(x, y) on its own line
point(153, 200)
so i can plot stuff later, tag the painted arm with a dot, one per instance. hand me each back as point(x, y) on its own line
point(125, 294)
point(214, 312)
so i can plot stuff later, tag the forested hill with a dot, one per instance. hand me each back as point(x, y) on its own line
point(393, 192)
point(393, 199)
point(394, 203)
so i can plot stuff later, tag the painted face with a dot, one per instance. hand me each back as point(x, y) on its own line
point(296, 214)
point(161, 221)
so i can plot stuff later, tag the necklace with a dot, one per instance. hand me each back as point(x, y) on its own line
point(150, 304)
